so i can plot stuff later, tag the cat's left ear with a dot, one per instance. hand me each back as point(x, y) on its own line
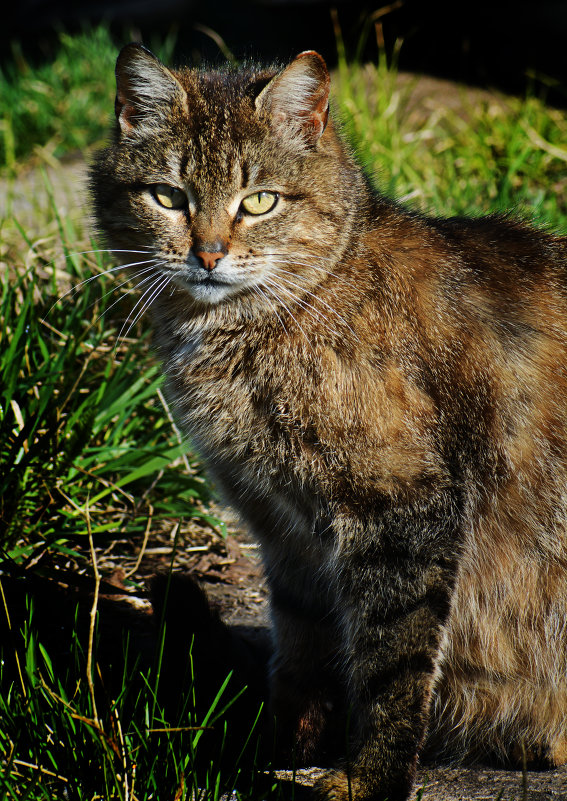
point(145, 89)
point(297, 99)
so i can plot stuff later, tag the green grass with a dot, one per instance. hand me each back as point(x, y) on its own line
point(60, 740)
point(82, 423)
point(62, 105)
point(458, 154)
point(85, 437)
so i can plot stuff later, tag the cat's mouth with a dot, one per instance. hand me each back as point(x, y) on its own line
point(206, 287)
point(210, 280)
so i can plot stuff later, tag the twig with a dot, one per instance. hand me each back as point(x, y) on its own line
point(181, 728)
point(104, 482)
point(217, 39)
point(384, 10)
point(94, 608)
point(524, 773)
point(177, 432)
point(127, 794)
point(543, 144)
point(42, 770)
point(144, 544)
point(92, 722)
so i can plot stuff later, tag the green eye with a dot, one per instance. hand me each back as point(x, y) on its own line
point(260, 202)
point(169, 196)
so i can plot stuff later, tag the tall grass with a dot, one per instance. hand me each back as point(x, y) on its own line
point(82, 422)
point(62, 105)
point(457, 152)
point(60, 740)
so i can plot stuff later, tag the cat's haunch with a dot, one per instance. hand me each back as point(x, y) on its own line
point(380, 394)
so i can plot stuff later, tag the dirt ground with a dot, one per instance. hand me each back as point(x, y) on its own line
point(231, 573)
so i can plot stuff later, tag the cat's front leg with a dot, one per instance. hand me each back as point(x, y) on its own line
point(305, 689)
point(305, 693)
point(394, 576)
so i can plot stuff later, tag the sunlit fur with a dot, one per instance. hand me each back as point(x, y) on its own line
point(381, 395)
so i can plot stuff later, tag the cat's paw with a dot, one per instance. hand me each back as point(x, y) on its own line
point(299, 730)
point(557, 752)
point(339, 785)
point(336, 785)
point(306, 720)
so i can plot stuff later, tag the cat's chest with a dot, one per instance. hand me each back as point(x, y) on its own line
point(248, 418)
point(305, 418)
point(235, 397)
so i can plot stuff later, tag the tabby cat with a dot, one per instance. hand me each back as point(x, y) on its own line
point(382, 396)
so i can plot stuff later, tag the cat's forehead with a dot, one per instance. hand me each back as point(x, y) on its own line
point(224, 136)
point(223, 102)
point(230, 84)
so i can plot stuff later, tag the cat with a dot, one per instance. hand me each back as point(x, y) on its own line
point(380, 394)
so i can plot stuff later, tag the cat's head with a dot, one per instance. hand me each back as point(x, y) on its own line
point(231, 181)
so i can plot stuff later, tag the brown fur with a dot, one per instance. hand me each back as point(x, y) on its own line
point(381, 395)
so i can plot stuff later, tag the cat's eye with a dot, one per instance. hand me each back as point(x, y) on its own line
point(260, 202)
point(169, 196)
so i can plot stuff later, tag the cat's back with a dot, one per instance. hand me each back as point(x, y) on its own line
point(499, 340)
point(479, 303)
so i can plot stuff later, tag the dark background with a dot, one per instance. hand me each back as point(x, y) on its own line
point(483, 42)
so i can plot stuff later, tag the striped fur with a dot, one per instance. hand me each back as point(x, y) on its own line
point(382, 396)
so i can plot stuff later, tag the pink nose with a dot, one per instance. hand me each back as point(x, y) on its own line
point(209, 260)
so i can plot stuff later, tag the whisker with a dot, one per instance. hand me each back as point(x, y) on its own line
point(167, 280)
point(105, 250)
point(153, 291)
point(81, 284)
point(138, 285)
point(130, 279)
point(257, 289)
point(309, 309)
point(312, 264)
point(312, 260)
point(286, 307)
point(156, 280)
point(313, 295)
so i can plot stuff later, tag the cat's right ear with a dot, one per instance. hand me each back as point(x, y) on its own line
point(145, 89)
point(297, 99)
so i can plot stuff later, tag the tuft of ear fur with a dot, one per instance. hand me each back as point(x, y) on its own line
point(145, 88)
point(297, 99)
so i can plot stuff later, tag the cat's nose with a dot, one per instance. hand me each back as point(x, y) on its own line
point(208, 251)
point(209, 259)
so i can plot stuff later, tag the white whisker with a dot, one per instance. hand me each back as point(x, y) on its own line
point(286, 307)
point(308, 308)
point(311, 310)
point(138, 285)
point(130, 279)
point(271, 305)
point(312, 263)
point(156, 280)
point(74, 289)
point(105, 250)
point(153, 291)
point(313, 295)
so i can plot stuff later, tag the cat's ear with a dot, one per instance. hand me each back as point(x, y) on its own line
point(297, 99)
point(145, 88)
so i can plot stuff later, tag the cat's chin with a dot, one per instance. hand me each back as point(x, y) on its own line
point(208, 291)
